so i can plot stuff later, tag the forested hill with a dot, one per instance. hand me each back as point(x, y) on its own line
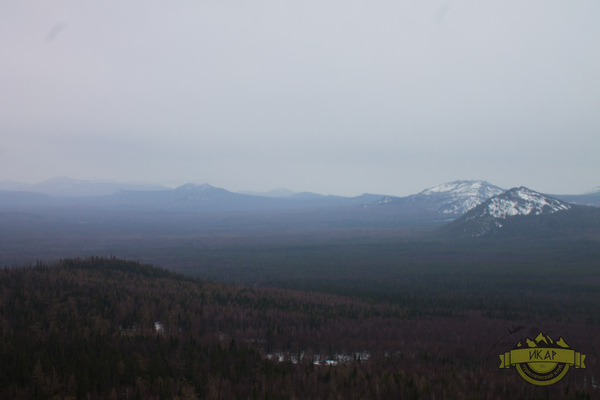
point(108, 328)
point(101, 328)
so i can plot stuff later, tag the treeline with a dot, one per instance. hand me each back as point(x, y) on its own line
point(105, 328)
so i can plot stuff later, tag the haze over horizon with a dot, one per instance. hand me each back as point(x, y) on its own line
point(334, 98)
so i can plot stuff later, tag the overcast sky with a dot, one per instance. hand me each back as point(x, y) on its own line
point(334, 97)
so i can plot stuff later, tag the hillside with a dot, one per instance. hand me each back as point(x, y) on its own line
point(106, 328)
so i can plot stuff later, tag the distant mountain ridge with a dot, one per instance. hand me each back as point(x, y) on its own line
point(586, 199)
point(206, 198)
point(521, 212)
point(68, 187)
point(280, 192)
point(430, 207)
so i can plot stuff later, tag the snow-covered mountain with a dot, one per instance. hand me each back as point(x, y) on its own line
point(448, 200)
point(458, 197)
point(521, 210)
point(521, 201)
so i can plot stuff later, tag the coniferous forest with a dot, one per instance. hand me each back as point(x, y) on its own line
point(107, 328)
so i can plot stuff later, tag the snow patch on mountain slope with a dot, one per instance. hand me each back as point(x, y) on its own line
point(523, 201)
point(458, 197)
point(459, 187)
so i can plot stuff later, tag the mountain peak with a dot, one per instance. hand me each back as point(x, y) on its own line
point(463, 187)
point(194, 187)
point(500, 211)
point(523, 201)
point(458, 197)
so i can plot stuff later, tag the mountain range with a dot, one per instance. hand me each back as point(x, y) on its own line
point(452, 199)
point(468, 208)
point(68, 187)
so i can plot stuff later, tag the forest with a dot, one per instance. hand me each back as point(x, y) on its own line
point(109, 328)
point(290, 304)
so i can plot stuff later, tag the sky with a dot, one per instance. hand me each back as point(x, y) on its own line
point(334, 97)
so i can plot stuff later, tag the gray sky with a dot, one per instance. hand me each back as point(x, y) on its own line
point(335, 97)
